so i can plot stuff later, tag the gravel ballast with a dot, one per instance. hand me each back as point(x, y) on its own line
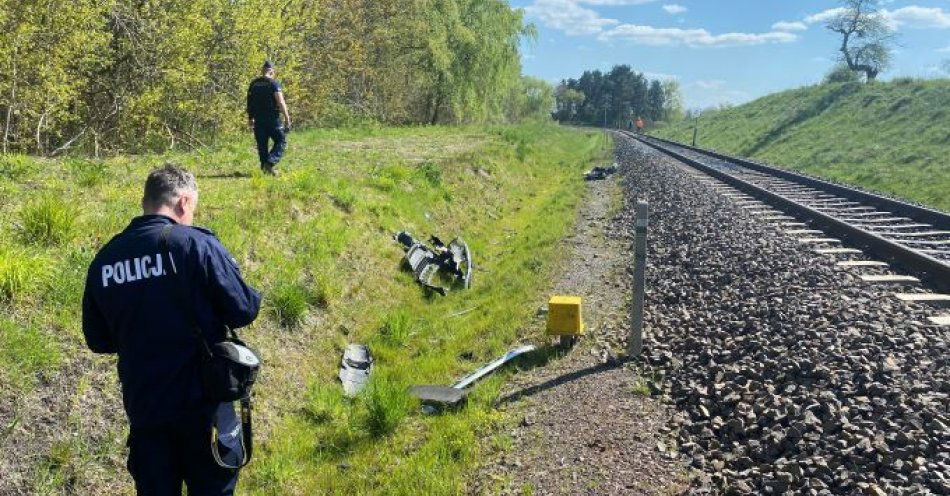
point(582, 424)
point(788, 374)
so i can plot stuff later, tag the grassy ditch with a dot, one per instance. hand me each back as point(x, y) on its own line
point(892, 137)
point(317, 241)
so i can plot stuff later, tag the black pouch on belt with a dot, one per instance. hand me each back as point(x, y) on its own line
point(228, 368)
point(228, 371)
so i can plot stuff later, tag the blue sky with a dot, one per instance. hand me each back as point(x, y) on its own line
point(721, 51)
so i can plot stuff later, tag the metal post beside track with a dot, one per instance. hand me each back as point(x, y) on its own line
point(642, 220)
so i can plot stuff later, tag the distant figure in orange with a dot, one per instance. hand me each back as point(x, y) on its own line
point(640, 124)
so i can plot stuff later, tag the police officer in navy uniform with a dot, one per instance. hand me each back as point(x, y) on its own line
point(143, 301)
point(264, 100)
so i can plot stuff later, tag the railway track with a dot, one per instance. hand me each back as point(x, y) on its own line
point(913, 237)
point(788, 375)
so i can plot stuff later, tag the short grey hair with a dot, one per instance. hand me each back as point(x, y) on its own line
point(165, 184)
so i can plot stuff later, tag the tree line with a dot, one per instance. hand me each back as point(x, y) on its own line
point(617, 98)
point(141, 75)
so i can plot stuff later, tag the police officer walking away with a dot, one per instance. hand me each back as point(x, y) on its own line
point(264, 100)
point(152, 293)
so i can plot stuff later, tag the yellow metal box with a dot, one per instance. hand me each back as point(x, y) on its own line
point(564, 316)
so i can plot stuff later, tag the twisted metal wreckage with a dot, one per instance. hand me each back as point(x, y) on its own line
point(425, 262)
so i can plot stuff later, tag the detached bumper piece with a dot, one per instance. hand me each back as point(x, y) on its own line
point(426, 262)
point(356, 366)
point(599, 173)
point(436, 397)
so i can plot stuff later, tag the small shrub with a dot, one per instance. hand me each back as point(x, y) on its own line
point(326, 290)
point(15, 166)
point(47, 221)
point(344, 199)
point(841, 73)
point(290, 303)
point(17, 271)
point(431, 172)
point(396, 172)
point(522, 150)
point(384, 184)
point(396, 328)
point(325, 404)
point(384, 406)
point(88, 173)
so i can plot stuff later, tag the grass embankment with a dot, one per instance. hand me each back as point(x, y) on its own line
point(891, 137)
point(317, 242)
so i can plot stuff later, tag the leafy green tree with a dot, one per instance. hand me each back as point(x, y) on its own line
point(140, 75)
point(619, 97)
point(568, 102)
point(51, 50)
point(532, 100)
point(672, 101)
point(865, 37)
point(655, 101)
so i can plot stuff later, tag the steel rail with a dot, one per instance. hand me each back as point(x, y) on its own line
point(934, 217)
point(928, 268)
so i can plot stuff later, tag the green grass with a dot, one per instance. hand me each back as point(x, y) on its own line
point(290, 303)
point(47, 220)
point(25, 352)
point(318, 242)
point(891, 137)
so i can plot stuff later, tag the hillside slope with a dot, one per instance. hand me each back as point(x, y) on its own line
point(318, 243)
point(889, 137)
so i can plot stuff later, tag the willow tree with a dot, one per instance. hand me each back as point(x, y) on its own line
point(471, 54)
point(865, 37)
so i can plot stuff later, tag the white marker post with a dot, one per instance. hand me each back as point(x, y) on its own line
point(641, 221)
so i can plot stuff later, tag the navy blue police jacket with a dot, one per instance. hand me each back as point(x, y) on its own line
point(134, 305)
point(261, 105)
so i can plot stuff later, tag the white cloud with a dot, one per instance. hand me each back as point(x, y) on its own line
point(824, 15)
point(945, 49)
point(571, 17)
point(659, 76)
point(789, 26)
point(674, 9)
point(649, 35)
point(918, 17)
point(568, 16)
point(912, 16)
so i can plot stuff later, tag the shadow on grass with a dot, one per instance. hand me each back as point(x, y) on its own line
point(225, 175)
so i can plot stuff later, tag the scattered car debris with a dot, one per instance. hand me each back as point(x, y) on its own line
point(599, 173)
point(426, 262)
point(356, 366)
point(451, 396)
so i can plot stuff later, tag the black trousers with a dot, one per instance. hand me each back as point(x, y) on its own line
point(162, 458)
point(264, 132)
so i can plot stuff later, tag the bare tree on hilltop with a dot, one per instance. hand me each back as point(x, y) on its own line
point(865, 37)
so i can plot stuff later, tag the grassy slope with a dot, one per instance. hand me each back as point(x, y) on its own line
point(891, 137)
point(317, 241)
